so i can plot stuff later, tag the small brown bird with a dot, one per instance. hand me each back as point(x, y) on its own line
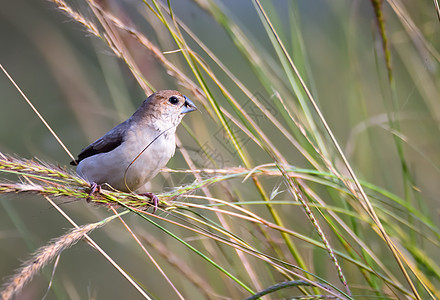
point(133, 152)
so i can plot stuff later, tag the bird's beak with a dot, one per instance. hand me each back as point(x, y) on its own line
point(189, 106)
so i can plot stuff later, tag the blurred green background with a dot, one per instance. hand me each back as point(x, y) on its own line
point(82, 89)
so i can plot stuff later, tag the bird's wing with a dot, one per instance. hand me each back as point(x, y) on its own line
point(106, 143)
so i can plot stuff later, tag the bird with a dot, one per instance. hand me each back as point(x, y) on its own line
point(128, 156)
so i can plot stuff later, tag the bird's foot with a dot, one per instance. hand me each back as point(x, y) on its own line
point(153, 198)
point(94, 187)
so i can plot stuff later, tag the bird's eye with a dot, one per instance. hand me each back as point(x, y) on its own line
point(173, 100)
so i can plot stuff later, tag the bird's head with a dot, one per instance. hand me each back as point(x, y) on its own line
point(164, 108)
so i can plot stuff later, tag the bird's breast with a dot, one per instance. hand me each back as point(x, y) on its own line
point(147, 155)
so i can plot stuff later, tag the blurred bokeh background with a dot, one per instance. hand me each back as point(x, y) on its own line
point(83, 89)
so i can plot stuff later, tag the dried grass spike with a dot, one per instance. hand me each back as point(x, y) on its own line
point(42, 257)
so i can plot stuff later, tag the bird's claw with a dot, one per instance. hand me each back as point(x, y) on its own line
point(154, 199)
point(94, 187)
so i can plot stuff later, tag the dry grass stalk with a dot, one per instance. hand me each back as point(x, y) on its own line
point(15, 165)
point(42, 257)
point(201, 283)
point(77, 17)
